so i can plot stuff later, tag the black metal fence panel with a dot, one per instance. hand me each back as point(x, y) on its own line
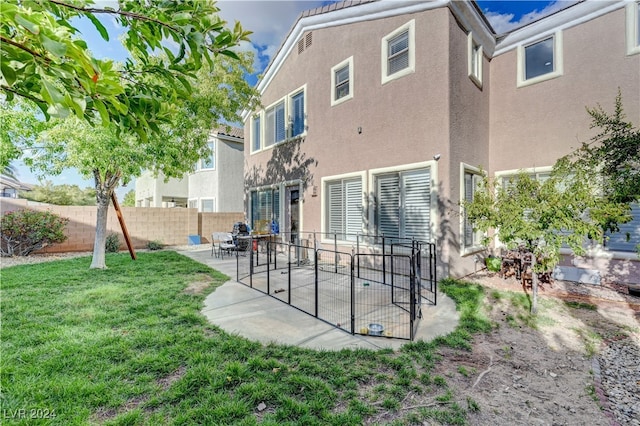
point(376, 294)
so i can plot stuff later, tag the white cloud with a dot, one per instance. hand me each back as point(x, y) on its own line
point(269, 20)
point(504, 22)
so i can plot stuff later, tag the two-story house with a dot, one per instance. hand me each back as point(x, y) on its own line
point(379, 116)
point(215, 185)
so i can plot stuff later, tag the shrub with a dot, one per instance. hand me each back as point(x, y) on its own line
point(24, 231)
point(155, 245)
point(112, 243)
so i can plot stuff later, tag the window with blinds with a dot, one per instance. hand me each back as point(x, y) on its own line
point(256, 129)
point(344, 208)
point(342, 82)
point(398, 52)
point(627, 239)
point(275, 124)
point(403, 207)
point(297, 111)
point(471, 182)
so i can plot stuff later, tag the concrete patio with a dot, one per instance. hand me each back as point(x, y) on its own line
point(241, 310)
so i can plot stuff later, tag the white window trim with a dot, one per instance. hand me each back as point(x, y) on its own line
point(466, 168)
point(288, 114)
point(287, 99)
point(264, 120)
point(633, 27)
point(477, 79)
point(323, 202)
point(349, 62)
point(514, 172)
point(200, 200)
point(557, 59)
point(213, 153)
point(259, 115)
point(411, 26)
point(432, 165)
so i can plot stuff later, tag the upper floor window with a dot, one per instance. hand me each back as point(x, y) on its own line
point(297, 114)
point(287, 118)
point(541, 60)
point(474, 64)
point(209, 162)
point(274, 129)
point(633, 28)
point(398, 52)
point(256, 130)
point(342, 81)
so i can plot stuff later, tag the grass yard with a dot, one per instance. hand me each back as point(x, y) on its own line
point(128, 346)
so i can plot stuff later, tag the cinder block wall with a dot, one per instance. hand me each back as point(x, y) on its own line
point(170, 226)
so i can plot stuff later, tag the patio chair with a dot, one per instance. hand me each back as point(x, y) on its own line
point(221, 242)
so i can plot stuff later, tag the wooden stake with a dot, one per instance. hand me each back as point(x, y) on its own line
point(114, 200)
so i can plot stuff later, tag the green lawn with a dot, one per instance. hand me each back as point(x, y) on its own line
point(128, 345)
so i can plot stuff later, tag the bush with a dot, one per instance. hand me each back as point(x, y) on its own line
point(112, 244)
point(24, 231)
point(494, 264)
point(155, 245)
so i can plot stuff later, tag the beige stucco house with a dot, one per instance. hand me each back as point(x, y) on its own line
point(215, 185)
point(378, 117)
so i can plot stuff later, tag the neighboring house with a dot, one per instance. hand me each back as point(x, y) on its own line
point(9, 187)
point(379, 116)
point(215, 185)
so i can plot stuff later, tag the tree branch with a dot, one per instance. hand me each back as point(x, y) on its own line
point(114, 12)
point(26, 49)
point(24, 95)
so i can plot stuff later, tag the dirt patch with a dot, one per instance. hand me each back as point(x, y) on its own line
point(200, 286)
point(548, 373)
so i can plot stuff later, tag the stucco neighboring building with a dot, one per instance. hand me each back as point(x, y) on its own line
point(9, 187)
point(379, 116)
point(215, 185)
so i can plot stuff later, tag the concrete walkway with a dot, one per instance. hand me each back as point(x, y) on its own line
point(241, 310)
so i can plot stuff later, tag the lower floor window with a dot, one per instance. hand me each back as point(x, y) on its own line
point(206, 206)
point(627, 239)
point(265, 208)
point(470, 237)
point(344, 208)
point(403, 204)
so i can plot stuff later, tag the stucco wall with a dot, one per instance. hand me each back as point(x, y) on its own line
point(469, 144)
point(534, 125)
point(230, 175)
point(399, 124)
point(156, 189)
point(169, 226)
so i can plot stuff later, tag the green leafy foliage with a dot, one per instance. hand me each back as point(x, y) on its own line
point(112, 243)
point(61, 195)
point(24, 231)
point(129, 199)
point(46, 62)
point(155, 245)
point(613, 156)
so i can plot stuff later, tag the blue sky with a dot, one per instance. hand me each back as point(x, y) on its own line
point(270, 22)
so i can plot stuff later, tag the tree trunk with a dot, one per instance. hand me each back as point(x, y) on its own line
point(104, 189)
point(534, 285)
